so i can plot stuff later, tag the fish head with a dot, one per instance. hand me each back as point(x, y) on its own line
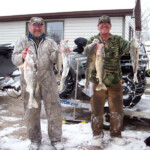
point(64, 45)
point(135, 43)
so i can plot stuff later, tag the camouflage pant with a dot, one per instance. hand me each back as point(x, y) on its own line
point(115, 101)
point(53, 112)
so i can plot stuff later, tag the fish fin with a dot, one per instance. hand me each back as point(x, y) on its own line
point(61, 86)
point(135, 78)
point(27, 89)
point(101, 87)
point(32, 103)
point(35, 104)
point(86, 85)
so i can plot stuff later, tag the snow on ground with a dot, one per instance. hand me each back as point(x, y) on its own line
point(141, 105)
point(75, 137)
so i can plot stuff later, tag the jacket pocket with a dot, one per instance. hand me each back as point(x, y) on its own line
point(111, 79)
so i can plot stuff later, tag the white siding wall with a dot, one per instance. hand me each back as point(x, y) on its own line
point(129, 22)
point(73, 28)
point(87, 27)
point(11, 31)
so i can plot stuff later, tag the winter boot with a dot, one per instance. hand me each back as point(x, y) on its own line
point(34, 146)
point(96, 141)
point(57, 145)
point(118, 141)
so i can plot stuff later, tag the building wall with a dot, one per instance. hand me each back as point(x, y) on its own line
point(73, 28)
point(129, 22)
point(10, 31)
point(87, 27)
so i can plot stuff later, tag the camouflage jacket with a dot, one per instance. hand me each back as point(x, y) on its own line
point(46, 53)
point(114, 48)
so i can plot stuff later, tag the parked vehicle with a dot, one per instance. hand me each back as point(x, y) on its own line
point(132, 91)
point(9, 73)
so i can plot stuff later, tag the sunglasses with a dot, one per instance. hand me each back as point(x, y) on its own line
point(106, 23)
point(102, 21)
point(37, 25)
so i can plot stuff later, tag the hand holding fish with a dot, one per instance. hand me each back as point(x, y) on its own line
point(95, 60)
point(24, 53)
point(65, 53)
point(95, 41)
point(134, 54)
point(99, 51)
point(30, 72)
point(64, 47)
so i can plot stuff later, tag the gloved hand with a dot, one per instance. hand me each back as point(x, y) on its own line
point(95, 41)
point(135, 43)
point(99, 51)
point(24, 53)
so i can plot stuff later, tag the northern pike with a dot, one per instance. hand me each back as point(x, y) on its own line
point(95, 61)
point(30, 72)
point(65, 53)
point(134, 54)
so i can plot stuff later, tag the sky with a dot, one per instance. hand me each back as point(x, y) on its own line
point(14, 7)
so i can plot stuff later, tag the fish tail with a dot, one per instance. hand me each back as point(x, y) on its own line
point(86, 85)
point(101, 87)
point(135, 78)
point(32, 103)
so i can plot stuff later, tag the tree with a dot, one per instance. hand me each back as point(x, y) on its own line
point(145, 18)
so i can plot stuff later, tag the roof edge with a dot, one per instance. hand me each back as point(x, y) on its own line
point(75, 14)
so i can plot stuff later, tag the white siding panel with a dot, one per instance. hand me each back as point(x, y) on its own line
point(87, 27)
point(73, 28)
point(129, 22)
point(11, 31)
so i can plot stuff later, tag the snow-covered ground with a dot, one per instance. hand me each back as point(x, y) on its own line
point(13, 135)
point(75, 136)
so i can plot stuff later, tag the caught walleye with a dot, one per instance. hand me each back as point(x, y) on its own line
point(59, 65)
point(95, 61)
point(30, 78)
point(65, 53)
point(134, 54)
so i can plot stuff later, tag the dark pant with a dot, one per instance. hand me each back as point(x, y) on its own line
point(53, 112)
point(115, 101)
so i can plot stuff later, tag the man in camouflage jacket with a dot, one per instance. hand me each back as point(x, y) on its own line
point(45, 50)
point(114, 47)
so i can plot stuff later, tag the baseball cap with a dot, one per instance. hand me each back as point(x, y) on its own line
point(37, 20)
point(104, 18)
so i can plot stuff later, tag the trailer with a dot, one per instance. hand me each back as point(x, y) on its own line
point(141, 110)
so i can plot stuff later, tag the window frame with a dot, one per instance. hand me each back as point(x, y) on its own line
point(47, 21)
point(131, 33)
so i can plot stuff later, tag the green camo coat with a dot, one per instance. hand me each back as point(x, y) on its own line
point(115, 47)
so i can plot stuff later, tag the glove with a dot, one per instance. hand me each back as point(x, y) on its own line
point(99, 51)
point(24, 53)
point(135, 43)
point(95, 41)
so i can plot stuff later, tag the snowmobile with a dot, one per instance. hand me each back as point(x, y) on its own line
point(9, 73)
point(132, 91)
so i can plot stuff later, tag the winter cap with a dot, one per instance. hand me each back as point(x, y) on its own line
point(36, 20)
point(104, 18)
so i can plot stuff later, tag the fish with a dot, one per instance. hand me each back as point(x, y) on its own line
point(134, 54)
point(30, 72)
point(95, 61)
point(59, 65)
point(65, 53)
point(99, 69)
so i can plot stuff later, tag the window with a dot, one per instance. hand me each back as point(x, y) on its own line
point(54, 30)
point(130, 33)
